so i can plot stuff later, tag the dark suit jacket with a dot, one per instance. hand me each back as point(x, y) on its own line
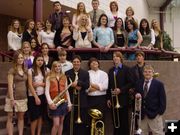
point(136, 74)
point(83, 81)
point(122, 81)
point(155, 101)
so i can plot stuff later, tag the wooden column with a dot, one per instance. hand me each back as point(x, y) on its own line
point(38, 10)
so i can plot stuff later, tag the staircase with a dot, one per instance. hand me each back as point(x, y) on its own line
point(4, 67)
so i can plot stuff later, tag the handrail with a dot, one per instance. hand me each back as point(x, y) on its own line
point(170, 54)
point(6, 54)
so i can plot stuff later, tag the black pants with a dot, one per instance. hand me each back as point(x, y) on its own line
point(78, 129)
point(124, 126)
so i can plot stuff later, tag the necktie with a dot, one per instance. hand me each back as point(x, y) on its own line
point(94, 18)
point(146, 88)
point(76, 76)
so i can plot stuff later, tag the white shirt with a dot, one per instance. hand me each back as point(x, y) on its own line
point(14, 41)
point(36, 78)
point(100, 78)
point(111, 19)
point(66, 66)
point(47, 38)
point(152, 37)
point(149, 83)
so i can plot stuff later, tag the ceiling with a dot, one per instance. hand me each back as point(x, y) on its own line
point(24, 8)
point(155, 3)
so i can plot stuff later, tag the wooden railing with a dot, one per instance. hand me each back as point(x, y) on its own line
point(6, 54)
point(168, 55)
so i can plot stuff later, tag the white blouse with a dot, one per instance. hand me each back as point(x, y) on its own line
point(100, 78)
point(14, 41)
point(47, 38)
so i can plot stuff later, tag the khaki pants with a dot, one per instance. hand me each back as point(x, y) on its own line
point(154, 125)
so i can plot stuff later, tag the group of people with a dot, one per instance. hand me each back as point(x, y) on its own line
point(87, 30)
point(32, 86)
point(36, 78)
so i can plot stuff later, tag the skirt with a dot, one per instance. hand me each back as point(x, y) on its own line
point(61, 110)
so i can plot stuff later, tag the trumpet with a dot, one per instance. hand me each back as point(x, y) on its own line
point(115, 106)
point(58, 100)
point(97, 127)
point(136, 118)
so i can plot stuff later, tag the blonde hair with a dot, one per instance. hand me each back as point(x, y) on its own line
point(52, 74)
point(130, 9)
point(158, 26)
point(148, 67)
point(24, 43)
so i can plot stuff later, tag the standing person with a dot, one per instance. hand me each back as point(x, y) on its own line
point(83, 34)
point(35, 47)
point(14, 35)
point(81, 10)
point(56, 83)
point(158, 34)
point(36, 94)
point(80, 84)
point(47, 35)
point(119, 85)
point(137, 70)
point(29, 31)
point(98, 86)
point(27, 54)
point(45, 52)
point(56, 17)
point(120, 40)
point(134, 38)
point(95, 13)
point(65, 64)
point(114, 14)
point(64, 36)
point(148, 35)
point(104, 36)
point(16, 100)
point(153, 106)
point(130, 16)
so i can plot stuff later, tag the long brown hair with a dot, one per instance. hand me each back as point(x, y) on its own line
point(15, 59)
point(78, 12)
point(11, 28)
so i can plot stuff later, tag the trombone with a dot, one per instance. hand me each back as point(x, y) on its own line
point(115, 106)
point(76, 96)
point(97, 126)
point(136, 118)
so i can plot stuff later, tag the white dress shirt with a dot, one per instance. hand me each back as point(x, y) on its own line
point(99, 78)
point(66, 66)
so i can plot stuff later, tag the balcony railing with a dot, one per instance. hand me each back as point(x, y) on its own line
point(168, 55)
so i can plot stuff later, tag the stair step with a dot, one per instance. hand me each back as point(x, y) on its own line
point(4, 131)
point(2, 112)
point(2, 101)
point(3, 91)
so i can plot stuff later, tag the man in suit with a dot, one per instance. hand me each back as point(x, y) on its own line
point(153, 97)
point(80, 83)
point(119, 85)
point(95, 13)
